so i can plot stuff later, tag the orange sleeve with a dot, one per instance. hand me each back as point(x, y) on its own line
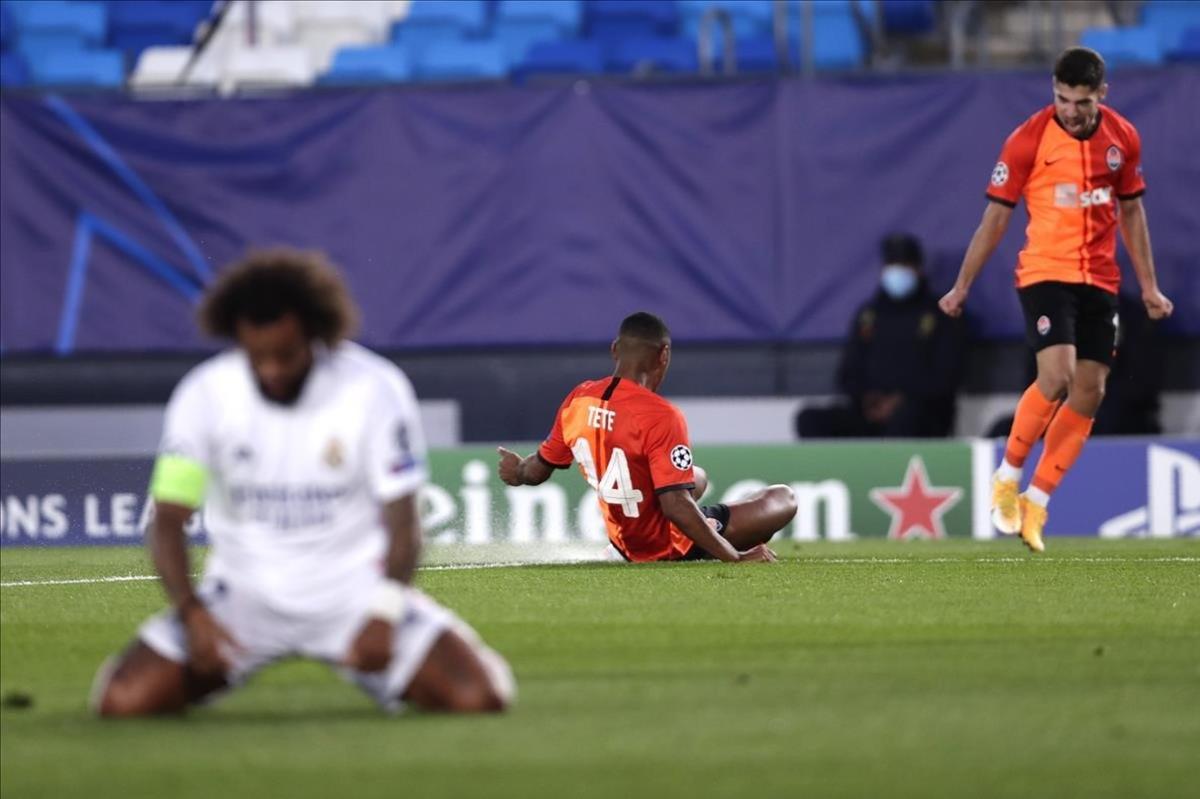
point(1016, 163)
point(669, 453)
point(554, 451)
point(1130, 182)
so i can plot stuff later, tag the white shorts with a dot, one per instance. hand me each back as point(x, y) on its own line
point(265, 635)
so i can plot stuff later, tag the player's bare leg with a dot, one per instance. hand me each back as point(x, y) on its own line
point(1087, 387)
point(141, 682)
point(461, 675)
point(1056, 367)
point(755, 520)
point(701, 478)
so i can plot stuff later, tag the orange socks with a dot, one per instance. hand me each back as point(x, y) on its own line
point(1064, 441)
point(1034, 413)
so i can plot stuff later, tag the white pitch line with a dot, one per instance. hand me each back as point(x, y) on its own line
point(137, 578)
point(130, 578)
point(134, 578)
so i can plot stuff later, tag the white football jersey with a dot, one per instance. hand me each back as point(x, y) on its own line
point(295, 491)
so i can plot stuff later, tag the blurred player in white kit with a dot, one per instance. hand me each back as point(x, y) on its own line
point(307, 453)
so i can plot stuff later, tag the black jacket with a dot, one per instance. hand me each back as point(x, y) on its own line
point(907, 346)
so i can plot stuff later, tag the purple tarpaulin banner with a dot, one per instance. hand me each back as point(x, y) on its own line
point(502, 215)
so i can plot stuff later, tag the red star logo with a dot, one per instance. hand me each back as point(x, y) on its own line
point(916, 507)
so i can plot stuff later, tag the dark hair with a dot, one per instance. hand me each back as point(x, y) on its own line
point(902, 248)
point(267, 285)
point(644, 326)
point(1080, 66)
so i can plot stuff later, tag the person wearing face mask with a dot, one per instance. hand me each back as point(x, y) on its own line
point(902, 362)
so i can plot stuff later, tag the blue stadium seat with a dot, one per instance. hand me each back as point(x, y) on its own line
point(18, 8)
point(98, 68)
point(1188, 48)
point(359, 65)
point(1171, 20)
point(565, 15)
point(85, 22)
point(614, 20)
point(909, 17)
point(451, 59)
point(757, 54)
point(31, 43)
point(13, 71)
point(567, 57)
point(518, 35)
point(837, 42)
point(1122, 46)
point(134, 25)
point(431, 22)
point(749, 17)
point(658, 54)
point(8, 26)
point(467, 17)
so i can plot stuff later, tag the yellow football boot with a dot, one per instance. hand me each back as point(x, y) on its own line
point(1006, 510)
point(1033, 521)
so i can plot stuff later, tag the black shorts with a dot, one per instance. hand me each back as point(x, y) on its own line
point(1071, 313)
point(721, 514)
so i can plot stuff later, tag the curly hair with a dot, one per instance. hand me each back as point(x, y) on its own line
point(268, 284)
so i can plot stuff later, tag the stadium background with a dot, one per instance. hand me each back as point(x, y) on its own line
point(502, 182)
point(499, 198)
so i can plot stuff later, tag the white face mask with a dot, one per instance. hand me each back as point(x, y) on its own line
point(898, 281)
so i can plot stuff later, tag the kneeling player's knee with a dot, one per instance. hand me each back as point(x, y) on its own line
point(120, 697)
point(783, 498)
point(477, 696)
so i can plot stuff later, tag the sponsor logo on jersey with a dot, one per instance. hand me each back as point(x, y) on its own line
point(1068, 195)
point(1113, 158)
point(681, 458)
point(1043, 325)
point(1000, 174)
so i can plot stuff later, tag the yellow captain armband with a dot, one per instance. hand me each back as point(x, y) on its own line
point(178, 480)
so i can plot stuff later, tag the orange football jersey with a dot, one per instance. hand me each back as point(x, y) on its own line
point(1071, 189)
point(631, 445)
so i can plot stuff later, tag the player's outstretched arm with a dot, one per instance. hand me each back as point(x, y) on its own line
point(983, 243)
point(1136, 233)
point(683, 512)
point(517, 471)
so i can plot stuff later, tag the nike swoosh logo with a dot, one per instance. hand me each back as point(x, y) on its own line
point(1049, 161)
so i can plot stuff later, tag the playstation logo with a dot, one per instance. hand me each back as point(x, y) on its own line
point(1173, 499)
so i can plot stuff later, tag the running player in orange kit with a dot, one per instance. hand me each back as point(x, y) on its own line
point(1075, 163)
point(632, 447)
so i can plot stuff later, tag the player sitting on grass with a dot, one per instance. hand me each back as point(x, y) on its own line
point(307, 452)
point(632, 447)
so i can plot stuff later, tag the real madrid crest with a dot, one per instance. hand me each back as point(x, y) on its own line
point(1113, 158)
point(333, 456)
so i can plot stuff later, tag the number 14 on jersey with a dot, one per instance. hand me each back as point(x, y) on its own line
point(616, 487)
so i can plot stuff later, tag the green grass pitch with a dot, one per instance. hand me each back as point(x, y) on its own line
point(872, 669)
